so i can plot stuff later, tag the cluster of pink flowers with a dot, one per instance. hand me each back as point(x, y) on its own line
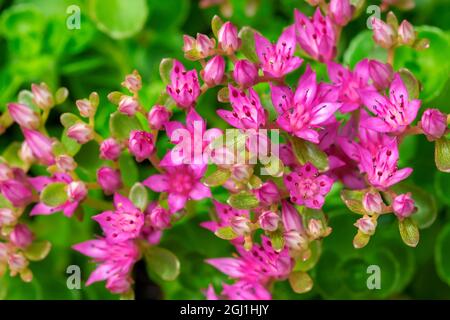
point(318, 151)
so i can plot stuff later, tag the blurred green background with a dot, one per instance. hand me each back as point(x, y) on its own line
point(117, 36)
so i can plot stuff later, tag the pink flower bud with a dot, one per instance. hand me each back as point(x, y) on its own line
point(65, 163)
point(381, 74)
point(268, 220)
point(245, 73)
point(23, 115)
point(76, 191)
point(17, 262)
point(433, 124)
point(133, 82)
point(214, 71)
point(240, 225)
point(372, 202)
point(42, 96)
point(294, 240)
point(159, 217)
point(80, 132)
point(189, 43)
point(109, 179)
point(268, 193)
point(341, 11)
point(228, 38)
point(6, 172)
point(110, 149)
point(85, 108)
point(158, 117)
point(40, 144)
point(406, 33)
point(366, 225)
point(16, 192)
point(25, 153)
point(383, 34)
point(128, 105)
point(141, 144)
point(199, 48)
point(21, 236)
point(315, 228)
point(184, 87)
point(7, 217)
point(403, 205)
point(205, 45)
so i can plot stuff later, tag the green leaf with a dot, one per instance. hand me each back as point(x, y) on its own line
point(119, 19)
point(315, 248)
point(360, 240)
point(162, 262)
point(409, 232)
point(247, 35)
point(61, 95)
point(411, 83)
point(217, 178)
point(128, 169)
point(226, 233)
point(54, 194)
point(362, 46)
point(353, 200)
point(306, 151)
point(300, 282)
point(120, 125)
point(216, 24)
point(442, 258)
point(139, 196)
point(243, 200)
point(442, 154)
point(11, 155)
point(38, 250)
point(277, 240)
point(69, 119)
point(165, 67)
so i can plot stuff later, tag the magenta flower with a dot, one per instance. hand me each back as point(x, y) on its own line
point(214, 71)
point(404, 205)
point(393, 114)
point(110, 149)
point(181, 182)
point(122, 224)
point(184, 87)
point(245, 73)
point(158, 116)
point(309, 108)
point(24, 115)
point(16, 191)
point(115, 261)
point(224, 215)
point(316, 35)
point(21, 236)
point(109, 179)
point(228, 38)
point(383, 33)
point(381, 166)
point(141, 144)
point(341, 11)
point(433, 124)
point(307, 187)
point(128, 105)
point(278, 59)
point(158, 217)
point(81, 132)
point(248, 113)
point(268, 193)
point(40, 145)
point(268, 220)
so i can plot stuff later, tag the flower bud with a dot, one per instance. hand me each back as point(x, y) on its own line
point(16, 192)
point(383, 34)
point(245, 73)
point(17, 262)
point(433, 124)
point(25, 153)
point(7, 217)
point(268, 220)
point(214, 71)
point(158, 117)
point(21, 236)
point(268, 193)
point(141, 144)
point(133, 82)
point(228, 38)
point(23, 115)
point(6, 172)
point(406, 33)
point(128, 105)
point(80, 132)
point(366, 225)
point(373, 203)
point(65, 163)
point(188, 43)
point(341, 11)
point(241, 172)
point(159, 217)
point(42, 96)
point(199, 48)
point(109, 180)
point(85, 108)
point(403, 205)
point(110, 149)
point(294, 240)
point(76, 191)
point(381, 74)
point(240, 225)
point(41, 146)
point(315, 227)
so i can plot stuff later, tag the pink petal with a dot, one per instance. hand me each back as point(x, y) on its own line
point(375, 124)
point(281, 97)
point(261, 45)
point(157, 183)
point(199, 192)
point(323, 112)
point(308, 134)
point(230, 266)
point(176, 202)
point(398, 176)
point(413, 108)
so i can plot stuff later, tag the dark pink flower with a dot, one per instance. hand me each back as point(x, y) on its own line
point(109, 179)
point(110, 149)
point(184, 87)
point(141, 144)
point(24, 115)
point(404, 205)
point(40, 145)
point(268, 220)
point(214, 70)
point(245, 73)
point(228, 38)
point(21, 236)
point(224, 213)
point(341, 11)
point(433, 124)
point(158, 116)
point(17, 192)
point(268, 193)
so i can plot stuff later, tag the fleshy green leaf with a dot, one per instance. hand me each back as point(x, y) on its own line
point(247, 36)
point(243, 200)
point(162, 262)
point(409, 232)
point(38, 250)
point(217, 178)
point(165, 67)
point(216, 24)
point(442, 257)
point(54, 194)
point(353, 200)
point(120, 125)
point(306, 151)
point(300, 282)
point(442, 154)
point(226, 233)
point(139, 196)
point(69, 119)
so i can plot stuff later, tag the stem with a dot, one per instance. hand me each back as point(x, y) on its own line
point(154, 160)
point(391, 55)
point(98, 204)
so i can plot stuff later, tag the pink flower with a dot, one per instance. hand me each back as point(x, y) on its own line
point(293, 228)
point(181, 182)
point(158, 116)
point(199, 48)
point(115, 261)
point(372, 202)
point(381, 167)
point(110, 149)
point(316, 35)
point(122, 224)
point(366, 225)
point(380, 73)
point(393, 114)
point(268, 193)
point(40, 145)
point(159, 217)
point(214, 71)
point(17, 192)
point(224, 214)
point(141, 144)
point(65, 162)
point(245, 73)
point(23, 115)
point(228, 38)
point(76, 191)
point(406, 33)
point(85, 108)
point(383, 34)
point(404, 205)
point(128, 105)
point(433, 124)
point(109, 180)
point(268, 220)
point(80, 132)
point(278, 59)
point(184, 87)
point(133, 82)
point(309, 108)
point(248, 113)
point(341, 11)
point(308, 187)
point(42, 96)
point(21, 236)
